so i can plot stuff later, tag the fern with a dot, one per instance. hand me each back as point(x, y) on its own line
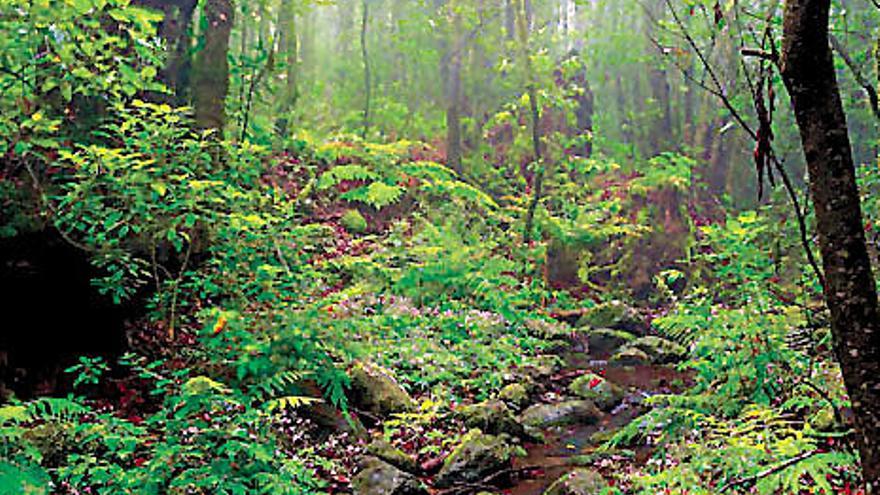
point(342, 173)
point(378, 195)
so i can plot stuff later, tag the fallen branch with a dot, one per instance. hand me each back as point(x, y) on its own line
point(770, 471)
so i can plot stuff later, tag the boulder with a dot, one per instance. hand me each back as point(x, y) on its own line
point(375, 390)
point(659, 350)
point(477, 457)
point(560, 414)
point(386, 452)
point(377, 477)
point(597, 389)
point(629, 356)
point(578, 482)
point(492, 416)
point(515, 395)
point(604, 342)
point(615, 315)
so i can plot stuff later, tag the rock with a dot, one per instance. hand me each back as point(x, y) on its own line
point(492, 416)
point(375, 390)
point(329, 418)
point(392, 455)
point(614, 315)
point(578, 482)
point(477, 457)
point(629, 356)
point(354, 222)
point(543, 366)
point(660, 351)
point(606, 341)
point(377, 477)
point(560, 414)
point(515, 395)
point(548, 329)
point(600, 391)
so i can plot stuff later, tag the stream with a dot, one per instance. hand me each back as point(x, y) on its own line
point(558, 453)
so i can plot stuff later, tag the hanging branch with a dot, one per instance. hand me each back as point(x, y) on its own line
point(771, 159)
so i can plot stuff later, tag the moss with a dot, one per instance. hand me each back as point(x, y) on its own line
point(354, 222)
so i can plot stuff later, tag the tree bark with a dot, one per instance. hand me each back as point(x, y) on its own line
point(211, 68)
point(850, 292)
point(368, 86)
point(453, 96)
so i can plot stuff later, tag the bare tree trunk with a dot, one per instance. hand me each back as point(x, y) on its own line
point(211, 69)
point(368, 86)
point(809, 74)
point(453, 96)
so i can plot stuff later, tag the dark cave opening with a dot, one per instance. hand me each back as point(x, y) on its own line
point(52, 314)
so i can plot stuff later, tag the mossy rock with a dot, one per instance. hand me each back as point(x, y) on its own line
point(593, 387)
point(630, 356)
point(541, 416)
point(354, 222)
point(661, 351)
point(542, 367)
point(384, 451)
point(515, 395)
point(375, 390)
point(377, 477)
point(615, 315)
point(492, 416)
point(606, 341)
point(578, 482)
point(476, 457)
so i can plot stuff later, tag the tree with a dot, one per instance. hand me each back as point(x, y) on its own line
point(211, 68)
point(808, 71)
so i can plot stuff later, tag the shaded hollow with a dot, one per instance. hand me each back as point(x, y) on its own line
point(52, 314)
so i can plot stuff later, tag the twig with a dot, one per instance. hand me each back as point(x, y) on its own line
point(770, 471)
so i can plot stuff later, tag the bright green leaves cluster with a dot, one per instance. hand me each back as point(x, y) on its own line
point(57, 51)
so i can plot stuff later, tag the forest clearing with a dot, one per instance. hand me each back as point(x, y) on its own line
point(439, 247)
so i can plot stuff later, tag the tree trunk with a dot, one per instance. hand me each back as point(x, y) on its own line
point(453, 97)
point(211, 68)
point(809, 74)
point(368, 86)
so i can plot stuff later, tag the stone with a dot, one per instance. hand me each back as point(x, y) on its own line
point(659, 350)
point(578, 482)
point(597, 389)
point(476, 457)
point(493, 417)
point(560, 414)
point(629, 356)
point(605, 342)
point(515, 395)
point(377, 477)
point(544, 366)
point(384, 451)
point(615, 315)
point(375, 390)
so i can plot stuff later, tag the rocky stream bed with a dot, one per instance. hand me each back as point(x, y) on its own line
point(543, 435)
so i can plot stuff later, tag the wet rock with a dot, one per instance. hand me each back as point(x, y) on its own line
point(597, 389)
point(492, 416)
point(377, 477)
point(476, 458)
point(560, 414)
point(629, 356)
point(615, 315)
point(578, 482)
point(375, 390)
point(392, 455)
point(659, 350)
point(515, 395)
point(606, 341)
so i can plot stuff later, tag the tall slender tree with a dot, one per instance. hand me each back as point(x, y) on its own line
point(810, 77)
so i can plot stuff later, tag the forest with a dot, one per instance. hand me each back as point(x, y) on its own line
point(439, 247)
